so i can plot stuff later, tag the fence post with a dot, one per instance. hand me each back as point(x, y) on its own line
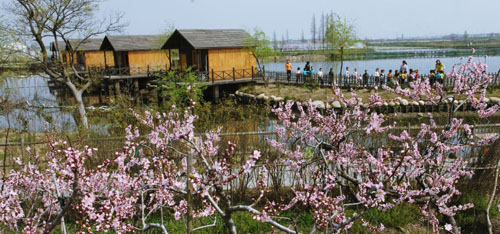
point(213, 77)
point(234, 73)
point(148, 70)
point(252, 73)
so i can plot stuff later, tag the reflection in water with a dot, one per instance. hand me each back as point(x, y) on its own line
point(30, 92)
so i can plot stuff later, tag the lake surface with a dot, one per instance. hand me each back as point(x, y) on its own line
point(34, 91)
point(31, 91)
point(424, 65)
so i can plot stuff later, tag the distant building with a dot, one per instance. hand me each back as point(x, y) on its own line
point(219, 50)
point(137, 52)
point(86, 53)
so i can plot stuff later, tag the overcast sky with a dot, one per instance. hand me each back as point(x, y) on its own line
point(372, 18)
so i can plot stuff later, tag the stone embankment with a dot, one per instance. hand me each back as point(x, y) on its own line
point(400, 105)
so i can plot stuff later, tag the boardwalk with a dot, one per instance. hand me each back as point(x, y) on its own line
point(351, 81)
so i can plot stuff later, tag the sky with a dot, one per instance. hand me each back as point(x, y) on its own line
point(371, 18)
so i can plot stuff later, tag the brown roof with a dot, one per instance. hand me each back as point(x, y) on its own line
point(132, 42)
point(207, 38)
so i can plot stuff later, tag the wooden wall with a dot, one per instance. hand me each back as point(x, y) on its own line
point(96, 59)
point(226, 59)
point(92, 58)
point(140, 60)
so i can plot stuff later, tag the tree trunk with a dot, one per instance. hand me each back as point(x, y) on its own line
point(82, 111)
point(341, 65)
point(79, 102)
point(230, 224)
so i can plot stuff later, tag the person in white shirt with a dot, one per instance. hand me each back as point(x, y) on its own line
point(320, 75)
point(377, 77)
point(298, 75)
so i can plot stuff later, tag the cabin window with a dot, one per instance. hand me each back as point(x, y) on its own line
point(175, 58)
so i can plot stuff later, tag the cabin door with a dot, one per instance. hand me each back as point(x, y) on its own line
point(121, 59)
point(183, 61)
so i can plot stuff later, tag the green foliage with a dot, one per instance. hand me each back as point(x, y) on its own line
point(259, 46)
point(179, 87)
point(13, 49)
point(310, 84)
point(474, 218)
point(339, 32)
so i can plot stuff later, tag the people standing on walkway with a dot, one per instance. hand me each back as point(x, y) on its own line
point(330, 77)
point(404, 78)
point(439, 67)
point(320, 75)
point(365, 78)
point(403, 68)
point(439, 71)
point(390, 77)
point(432, 77)
point(347, 76)
point(307, 67)
point(397, 76)
point(417, 76)
point(298, 75)
point(377, 77)
point(288, 67)
point(357, 78)
point(411, 76)
point(382, 78)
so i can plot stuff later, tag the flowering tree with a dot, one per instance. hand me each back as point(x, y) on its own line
point(420, 169)
point(169, 168)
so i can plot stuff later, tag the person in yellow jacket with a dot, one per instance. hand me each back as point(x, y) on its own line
point(439, 67)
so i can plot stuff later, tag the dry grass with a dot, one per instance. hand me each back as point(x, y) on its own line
point(299, 93)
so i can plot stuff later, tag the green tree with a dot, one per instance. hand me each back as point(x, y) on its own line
point(340, 34)
point(13, 49)
point(179, 88)
point(56, 20)
point(260, 48)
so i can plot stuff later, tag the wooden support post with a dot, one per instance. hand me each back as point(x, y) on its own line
point(252, 73)
point(136, 90)
point(215, 96)
point(117, 88)
point(100, 96)
point(234, 74)
point(213, 77)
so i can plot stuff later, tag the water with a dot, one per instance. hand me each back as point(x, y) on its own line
point(424, 65)
point(33, 90)
point(28, 91)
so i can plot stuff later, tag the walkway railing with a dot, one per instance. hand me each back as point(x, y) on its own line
point(352, 81)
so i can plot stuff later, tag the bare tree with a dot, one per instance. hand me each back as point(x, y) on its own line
point(313, 30)
point(57, 20)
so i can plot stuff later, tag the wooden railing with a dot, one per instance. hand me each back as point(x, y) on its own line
point(208, 76)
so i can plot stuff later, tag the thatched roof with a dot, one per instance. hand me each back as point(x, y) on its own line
point(206, 38)
point(77, 44)
point(132, 42)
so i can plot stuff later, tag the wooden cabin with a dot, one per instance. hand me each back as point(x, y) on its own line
point(86, 53)
point(214, 51)
point(138, 53)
